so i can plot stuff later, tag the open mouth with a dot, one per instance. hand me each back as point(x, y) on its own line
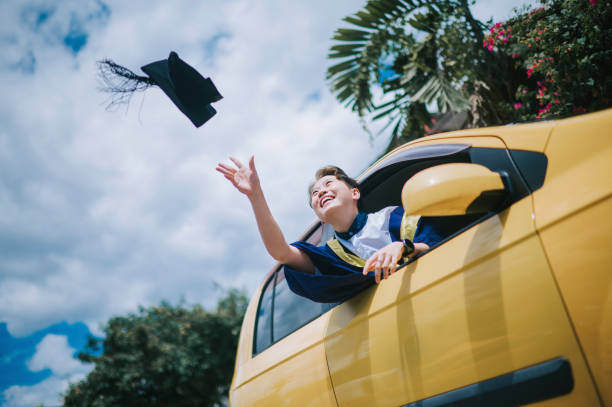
point(326, 199)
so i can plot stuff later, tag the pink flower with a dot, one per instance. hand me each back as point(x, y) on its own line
point(490, 47)
point(517, 105)
point(515, 55)
point(524, 91)
point(543, 110)
point(593, 2)
point(529, 72)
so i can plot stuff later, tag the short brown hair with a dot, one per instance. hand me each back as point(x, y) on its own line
point(336, 172)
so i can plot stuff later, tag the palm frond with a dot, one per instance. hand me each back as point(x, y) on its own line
point(407, 37)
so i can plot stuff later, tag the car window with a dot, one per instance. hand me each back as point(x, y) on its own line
point(263, 328)
point(291, 311)
point(281, 312)
point(383, 187)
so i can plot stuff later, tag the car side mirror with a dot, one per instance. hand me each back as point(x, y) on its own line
point(453, 189)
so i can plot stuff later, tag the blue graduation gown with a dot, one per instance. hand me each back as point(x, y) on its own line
point(335, 280)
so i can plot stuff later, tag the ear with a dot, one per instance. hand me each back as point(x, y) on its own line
point(356, 194)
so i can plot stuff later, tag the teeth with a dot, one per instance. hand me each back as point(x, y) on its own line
point(325, 199)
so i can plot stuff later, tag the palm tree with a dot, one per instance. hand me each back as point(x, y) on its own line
point(426, 57)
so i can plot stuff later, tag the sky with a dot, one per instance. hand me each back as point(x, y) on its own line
point(103, 210)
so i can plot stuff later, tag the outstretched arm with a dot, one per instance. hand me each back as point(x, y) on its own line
point(246, 180)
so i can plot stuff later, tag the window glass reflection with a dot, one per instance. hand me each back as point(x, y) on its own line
point(292, 311)
point(263, 337)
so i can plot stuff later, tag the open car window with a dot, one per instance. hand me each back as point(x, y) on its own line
point(382, 185)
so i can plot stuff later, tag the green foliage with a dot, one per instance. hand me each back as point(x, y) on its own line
point(563, 50)
point(163, 356)
point(428, 57)
point(425, 56)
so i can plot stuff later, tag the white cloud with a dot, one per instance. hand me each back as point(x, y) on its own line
point(53, 353)
point(47, 392)
point(102, 211)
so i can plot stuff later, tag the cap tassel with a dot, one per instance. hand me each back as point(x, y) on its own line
point(120, 82)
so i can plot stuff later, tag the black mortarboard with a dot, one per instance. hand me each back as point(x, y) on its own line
point(188, 90)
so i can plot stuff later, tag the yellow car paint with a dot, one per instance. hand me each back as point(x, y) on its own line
point(451, 188)
point(529, 284)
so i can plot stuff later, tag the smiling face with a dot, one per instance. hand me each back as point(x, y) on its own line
point(330, 197)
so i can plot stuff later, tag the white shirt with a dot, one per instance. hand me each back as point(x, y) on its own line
point(373, 236)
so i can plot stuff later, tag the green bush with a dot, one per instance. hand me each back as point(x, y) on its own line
point(163, 356)
point(564, 50)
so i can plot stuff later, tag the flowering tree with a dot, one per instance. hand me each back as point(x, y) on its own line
point(563, 49)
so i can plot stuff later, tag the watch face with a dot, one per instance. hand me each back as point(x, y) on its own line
point(409, 246)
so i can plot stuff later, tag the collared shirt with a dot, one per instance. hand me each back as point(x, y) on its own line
point(373, 236)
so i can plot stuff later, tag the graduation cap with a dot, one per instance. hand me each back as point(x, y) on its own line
point(188, 90)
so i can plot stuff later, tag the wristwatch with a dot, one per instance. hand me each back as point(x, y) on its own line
point(408, 246)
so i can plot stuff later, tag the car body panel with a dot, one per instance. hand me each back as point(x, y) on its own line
point(576, 232)
point(481, 305)
point(530, 136)
point(579, 169)
point(292, 372)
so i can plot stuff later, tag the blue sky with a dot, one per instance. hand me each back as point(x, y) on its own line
point(105, 210)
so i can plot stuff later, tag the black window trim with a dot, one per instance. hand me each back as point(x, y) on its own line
point(531, 384)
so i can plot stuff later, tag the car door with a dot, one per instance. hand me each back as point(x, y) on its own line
point(281, 357)
point(477, 320)
point(577, 234)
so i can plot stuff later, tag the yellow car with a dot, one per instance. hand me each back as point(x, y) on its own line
point(514, 307)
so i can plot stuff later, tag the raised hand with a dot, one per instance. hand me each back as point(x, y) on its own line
point(244, 178)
